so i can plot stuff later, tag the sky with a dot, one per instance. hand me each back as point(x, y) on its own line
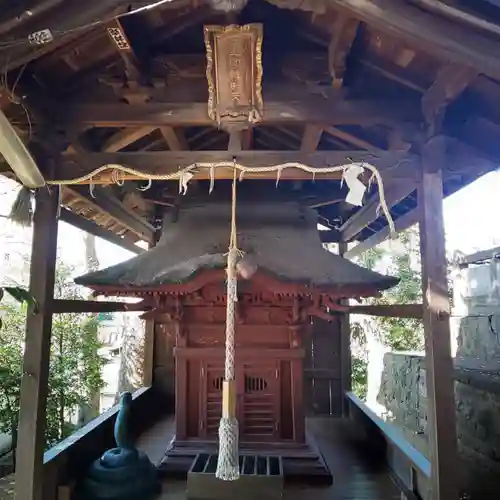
point(470, 215)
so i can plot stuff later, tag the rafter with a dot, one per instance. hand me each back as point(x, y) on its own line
point(310, 139)
point(432, 33)
point(394, 193)
point(351, 139)
point(125, 137)
point(450, 82)
point(118, 211)
point(344, 33)
point(63, 20)
point(461, 159)
point(174, 138)
point(120, 40)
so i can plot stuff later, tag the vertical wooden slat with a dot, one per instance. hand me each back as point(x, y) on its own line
point(181, 397)
point(297, 375)
point(439, 365)
point(345, 349)
point(34, 386)
point(308, 381)
point(326, 360)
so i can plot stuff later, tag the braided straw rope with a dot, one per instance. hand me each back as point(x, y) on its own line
point(242, 169)
point(228, 468)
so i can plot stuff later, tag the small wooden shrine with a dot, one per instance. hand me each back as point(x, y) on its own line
point(107, 96)
point(285, 278)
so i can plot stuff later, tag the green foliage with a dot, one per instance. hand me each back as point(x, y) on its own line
point(75, 366)
point(398, 334)
point(20, 295)
point(359, 370)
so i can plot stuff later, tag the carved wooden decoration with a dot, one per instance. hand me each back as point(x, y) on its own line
point(234, 74)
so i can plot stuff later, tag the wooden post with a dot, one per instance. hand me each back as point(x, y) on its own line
point(34, 386)
point(149, 338)
point(345, 350)
point(147, 362)
point(439, 364)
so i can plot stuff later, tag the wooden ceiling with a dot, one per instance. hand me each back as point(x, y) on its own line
point(358, 79)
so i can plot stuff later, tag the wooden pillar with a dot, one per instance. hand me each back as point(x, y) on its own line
point(149, 342)
point(439, 364)
point(147, 362)
point(345, 350)
point(34, 386)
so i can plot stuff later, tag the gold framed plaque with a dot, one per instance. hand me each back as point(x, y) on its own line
point(234, 74)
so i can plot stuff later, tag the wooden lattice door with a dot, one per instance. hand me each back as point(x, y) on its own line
point(259, 400)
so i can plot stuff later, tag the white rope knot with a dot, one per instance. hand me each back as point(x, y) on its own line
point(228, 466)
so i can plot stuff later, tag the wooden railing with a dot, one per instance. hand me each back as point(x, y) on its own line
point(71, 457)
point(410, 470)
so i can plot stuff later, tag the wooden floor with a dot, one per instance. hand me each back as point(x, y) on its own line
point(354, 477)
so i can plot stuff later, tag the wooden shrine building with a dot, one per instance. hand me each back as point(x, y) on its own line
point(136, 115)
point(287, 282)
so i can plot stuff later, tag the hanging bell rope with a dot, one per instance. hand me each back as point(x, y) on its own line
point(228, 468)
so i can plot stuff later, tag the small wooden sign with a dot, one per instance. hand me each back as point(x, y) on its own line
point(234, 74)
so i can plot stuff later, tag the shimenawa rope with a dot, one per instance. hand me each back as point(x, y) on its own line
point(115, 168)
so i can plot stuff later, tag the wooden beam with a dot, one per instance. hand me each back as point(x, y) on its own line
point(174, 138)
point(34, 386)
point(63, 19)
point(389, 310)
point(331, 236)
point(17, 13)
point(462, 161)
point(310, 139)
point(428, 32)
point(113, 207)
point(296, 105)
point(148, 365)
point(401, 223)
point(117, 210)
point(351, 139)
point(344, 33)
point(91, 227)
point(122, 44)
point(125, 137)
point(235, 143)
point(247, 139)
point(73, 165)
point(394, 193)
point(439, 363)
point(450, 82)
point(66, 306)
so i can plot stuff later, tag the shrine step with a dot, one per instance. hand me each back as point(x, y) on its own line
point(260, 476)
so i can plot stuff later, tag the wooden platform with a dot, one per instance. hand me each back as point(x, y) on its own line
point(355, 476)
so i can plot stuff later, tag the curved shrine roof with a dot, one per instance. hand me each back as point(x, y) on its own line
point(282, 239)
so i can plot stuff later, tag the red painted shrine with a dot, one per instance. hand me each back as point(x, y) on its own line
point(286, 280)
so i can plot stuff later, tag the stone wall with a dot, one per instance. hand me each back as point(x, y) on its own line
point(475, 329)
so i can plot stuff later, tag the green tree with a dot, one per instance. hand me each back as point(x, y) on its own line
point(398, 334)
point(75, 365)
